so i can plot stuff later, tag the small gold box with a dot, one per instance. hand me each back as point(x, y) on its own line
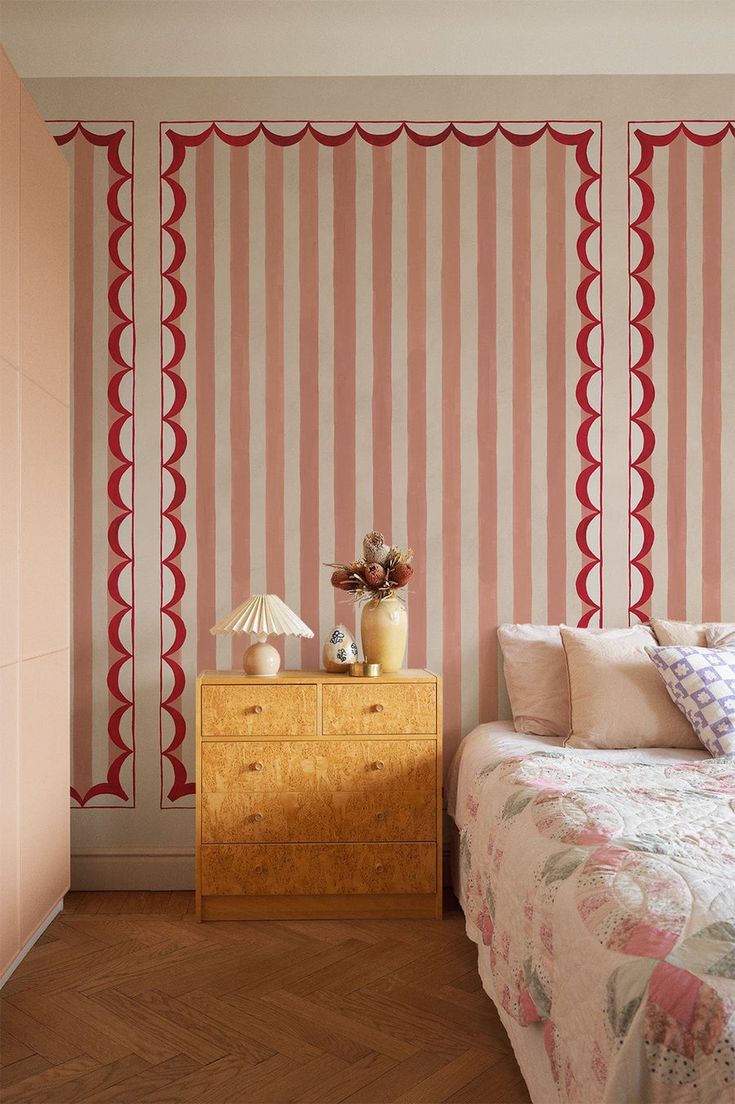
point(371, 670)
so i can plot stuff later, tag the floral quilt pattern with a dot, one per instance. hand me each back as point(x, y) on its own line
point(602, 899)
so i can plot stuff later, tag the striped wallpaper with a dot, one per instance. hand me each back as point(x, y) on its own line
point(100, 156)
point(682, 315)
point(377, 326)
point(397, 327)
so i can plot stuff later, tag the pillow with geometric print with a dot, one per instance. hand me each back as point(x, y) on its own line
point(701, 682)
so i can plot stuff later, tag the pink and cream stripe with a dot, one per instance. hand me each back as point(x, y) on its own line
point(100, 156)
point(378, 325)
point(682, 291)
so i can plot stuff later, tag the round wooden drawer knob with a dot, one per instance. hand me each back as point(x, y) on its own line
point(257, 709)
point(378, 765)
point(259, 869)
point(379, 868)
point(380, 816)
point(258, 817)
point(257, 766)
point(378, 708)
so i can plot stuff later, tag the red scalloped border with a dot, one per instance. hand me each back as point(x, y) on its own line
point(112, 785)
point(591, 311)
point(648, 142)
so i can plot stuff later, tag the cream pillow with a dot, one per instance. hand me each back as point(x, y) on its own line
point(617, 699)
point(536, 678)
point(672, 633)
point(720, 636)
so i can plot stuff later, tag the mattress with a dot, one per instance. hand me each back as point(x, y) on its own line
point(599, 887)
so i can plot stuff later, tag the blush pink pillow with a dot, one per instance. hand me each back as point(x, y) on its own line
point(704, 634)
point(536, 678)
point(617, 699)
point(720, 635)
point(672, 633)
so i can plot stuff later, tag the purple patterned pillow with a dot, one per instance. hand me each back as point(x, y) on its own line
point(701, 682)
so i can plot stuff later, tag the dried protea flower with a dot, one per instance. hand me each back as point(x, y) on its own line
point(397, 556)
point(374, 549)
point(400, 574)
point(382, 570)
point(374, 575)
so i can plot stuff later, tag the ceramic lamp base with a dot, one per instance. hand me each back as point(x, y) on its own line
point(261, 659)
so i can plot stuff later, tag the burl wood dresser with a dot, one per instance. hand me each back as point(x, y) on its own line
point(318, 795)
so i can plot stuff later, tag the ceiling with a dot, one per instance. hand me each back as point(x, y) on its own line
point(143, 38)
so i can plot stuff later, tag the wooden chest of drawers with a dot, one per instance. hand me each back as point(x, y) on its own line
point(318, 795)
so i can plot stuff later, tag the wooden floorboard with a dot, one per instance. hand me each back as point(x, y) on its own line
point(126, 1000)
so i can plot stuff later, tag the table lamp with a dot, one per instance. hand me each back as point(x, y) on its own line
point(263, 615)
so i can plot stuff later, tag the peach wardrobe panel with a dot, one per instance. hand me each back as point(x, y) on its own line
point(34, 501)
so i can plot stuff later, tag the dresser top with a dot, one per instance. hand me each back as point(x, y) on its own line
point(409, 675)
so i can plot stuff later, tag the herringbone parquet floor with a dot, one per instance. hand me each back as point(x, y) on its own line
point(127, 999)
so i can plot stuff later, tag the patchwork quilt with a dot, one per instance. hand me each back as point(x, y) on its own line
point(602, 898)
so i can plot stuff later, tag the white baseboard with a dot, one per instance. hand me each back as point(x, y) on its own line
point(29, 942)
point(118, 868)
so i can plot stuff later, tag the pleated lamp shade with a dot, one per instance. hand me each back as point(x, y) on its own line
point(263, 615)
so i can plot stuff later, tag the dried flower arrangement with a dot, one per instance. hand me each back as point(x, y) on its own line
point(382, 570)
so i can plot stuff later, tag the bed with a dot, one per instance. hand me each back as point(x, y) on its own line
point(599, 887)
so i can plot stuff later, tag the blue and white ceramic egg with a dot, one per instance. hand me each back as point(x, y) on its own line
point(340, 650)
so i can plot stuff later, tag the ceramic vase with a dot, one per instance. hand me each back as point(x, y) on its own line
point(340, 650)
point(384, 630)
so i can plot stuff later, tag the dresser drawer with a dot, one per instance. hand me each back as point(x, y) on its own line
point(259, 710)
point(249, 766)
point(376, 709)
point(302, 868)
point(234, 816)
